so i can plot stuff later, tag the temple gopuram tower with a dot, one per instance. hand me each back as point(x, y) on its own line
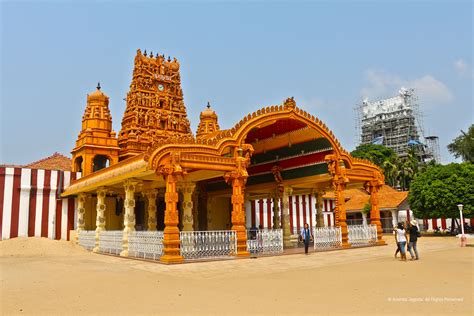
point(96, 145)
point(155, 107)
point(207, 122)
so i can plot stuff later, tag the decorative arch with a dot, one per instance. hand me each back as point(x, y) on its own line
point(215, 145)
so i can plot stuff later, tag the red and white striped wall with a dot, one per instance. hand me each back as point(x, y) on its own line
point(30, 204)
point(302, 210)
point(443, 223)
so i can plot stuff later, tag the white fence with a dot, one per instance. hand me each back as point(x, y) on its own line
point(265, 241)
point(110, 241)
point(362, 234)
point(208, 244)
point(87, 239)
point(327, 237)
point(145, 244)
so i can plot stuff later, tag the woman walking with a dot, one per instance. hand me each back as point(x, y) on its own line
point(306, 236)
point(402, 241)
point(396, 243)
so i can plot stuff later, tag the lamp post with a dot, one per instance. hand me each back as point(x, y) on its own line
point(463, 237)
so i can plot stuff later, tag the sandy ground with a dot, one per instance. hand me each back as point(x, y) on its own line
point(40, 276)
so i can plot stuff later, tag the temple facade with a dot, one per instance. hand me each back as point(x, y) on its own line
point(159, 177)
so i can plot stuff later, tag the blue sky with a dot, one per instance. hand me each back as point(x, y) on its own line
point(238, 55)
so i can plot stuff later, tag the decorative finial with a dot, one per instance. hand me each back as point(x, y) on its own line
point(169, 58)
point(208, 104)
point(151, 54)
point(144, 53)
point(98, 85)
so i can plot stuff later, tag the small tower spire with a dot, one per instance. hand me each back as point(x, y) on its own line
point(208, 104)
point(98, 85)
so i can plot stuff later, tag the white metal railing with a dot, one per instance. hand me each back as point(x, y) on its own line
point(145, 244)
point(208, 244)
point(327, 237)
point(110, 241)
point(87, 239)
point(362, 234)
point(265, 241)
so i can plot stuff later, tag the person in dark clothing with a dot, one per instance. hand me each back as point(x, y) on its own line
point(413, 237)
point(306, 236)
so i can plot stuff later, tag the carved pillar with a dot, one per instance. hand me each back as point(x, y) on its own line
point(100, 218)
point(81, 211)
point(319, 209)
point(187, 189)
point(129, 214)
point(337, 170)
point(373, 188)
point(196, 209)
point(151, 196)
point(285, 222)
point(237, 179)
point(340, 212)
point(276, 211)
point(171, 242)
point(210, 200)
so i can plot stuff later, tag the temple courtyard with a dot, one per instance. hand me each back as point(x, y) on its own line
point(45, 277)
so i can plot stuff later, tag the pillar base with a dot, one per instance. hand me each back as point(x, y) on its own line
point(380, 242)
point(287, 243)
point(96, 249)
point(171, 259)
point(241, 254)
point(346, 245)
point(124, 253)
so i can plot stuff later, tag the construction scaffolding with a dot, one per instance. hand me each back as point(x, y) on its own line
point(396, 123)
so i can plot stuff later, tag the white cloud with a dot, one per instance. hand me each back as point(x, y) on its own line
point(381, 84)
point(461, 67)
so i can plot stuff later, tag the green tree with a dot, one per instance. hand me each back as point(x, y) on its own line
point(436, 192)
point(382, 156)
point(408, 167)
point(463, 145)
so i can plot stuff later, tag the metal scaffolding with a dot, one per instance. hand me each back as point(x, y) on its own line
point(396, 123)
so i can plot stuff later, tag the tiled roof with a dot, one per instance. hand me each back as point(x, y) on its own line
point(388, 198)
point(54, 162)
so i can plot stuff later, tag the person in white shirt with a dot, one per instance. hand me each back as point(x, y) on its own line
point(401, 236)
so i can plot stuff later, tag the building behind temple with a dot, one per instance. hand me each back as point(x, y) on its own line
point(396, 123)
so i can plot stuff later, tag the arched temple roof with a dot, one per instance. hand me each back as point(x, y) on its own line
point(219, 147)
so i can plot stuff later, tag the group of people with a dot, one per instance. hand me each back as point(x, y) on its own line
point(407, 238)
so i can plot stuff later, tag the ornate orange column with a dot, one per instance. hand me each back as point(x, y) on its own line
point(339, 180)
point(171, 253)
point(238, 178)
point(373, 188)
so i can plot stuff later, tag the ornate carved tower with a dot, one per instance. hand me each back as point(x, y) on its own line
point(96, 144)
point(208, 122)
point(155, 107)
